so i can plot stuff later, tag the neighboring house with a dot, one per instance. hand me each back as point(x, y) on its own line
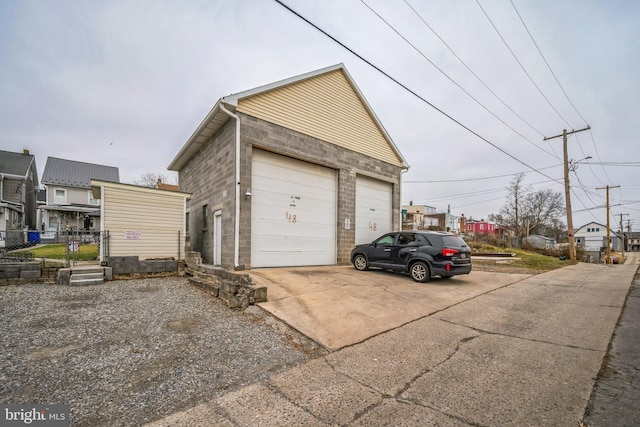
point(70, 204)
point(542, 242)
point(505, 233)
point(288, 174)
point(479, 227)
point(414, 217)
point(422, 217)
point(143, 222)
point(633, 241)
point(18, 189)
point(446, 220)
point(592, 237)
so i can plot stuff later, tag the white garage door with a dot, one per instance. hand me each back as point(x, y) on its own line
point(293, 212)
point(373, 209)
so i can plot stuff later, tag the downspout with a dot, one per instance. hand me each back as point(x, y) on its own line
point(236, 246)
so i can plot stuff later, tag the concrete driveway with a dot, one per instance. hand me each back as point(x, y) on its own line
point(338, 306)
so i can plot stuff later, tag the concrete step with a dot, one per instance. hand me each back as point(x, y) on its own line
point(87, 276)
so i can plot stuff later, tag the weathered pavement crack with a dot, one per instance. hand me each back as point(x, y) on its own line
point(398, 396)
point(483, 332)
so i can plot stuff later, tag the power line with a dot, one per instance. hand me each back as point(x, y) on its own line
point(521, 66)
point(595, 147)
point(384, 73)
point(469, 69)
point(450, 196)
point(546, 62)
point(452, 80)
point(473, 179)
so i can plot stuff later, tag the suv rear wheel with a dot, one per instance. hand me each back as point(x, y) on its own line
point(420, 272)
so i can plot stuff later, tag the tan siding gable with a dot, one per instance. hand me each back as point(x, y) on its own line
point(325, 107)
point(159, 218)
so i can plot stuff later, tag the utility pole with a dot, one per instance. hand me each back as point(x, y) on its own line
point(608, 223)
point(567, 188)
point(624, 240)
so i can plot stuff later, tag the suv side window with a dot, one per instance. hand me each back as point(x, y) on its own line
point(386, 240)
point(406, 239)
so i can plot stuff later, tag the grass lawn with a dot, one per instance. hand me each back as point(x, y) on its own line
point(526, 259)
point(87, 252)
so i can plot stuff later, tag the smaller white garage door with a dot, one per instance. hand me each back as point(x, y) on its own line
point(373, 209)
point(293, 212)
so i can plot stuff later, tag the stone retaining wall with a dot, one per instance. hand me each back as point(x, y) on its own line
point(236, 289)
point(18, 273)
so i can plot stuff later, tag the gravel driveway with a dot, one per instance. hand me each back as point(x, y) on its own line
point(129, 352)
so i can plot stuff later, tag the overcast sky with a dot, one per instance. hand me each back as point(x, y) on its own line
point(125, 83)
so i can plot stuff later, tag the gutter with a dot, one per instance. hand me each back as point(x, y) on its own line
point(236, 246)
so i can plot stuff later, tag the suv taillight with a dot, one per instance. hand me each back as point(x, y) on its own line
point(449, 252)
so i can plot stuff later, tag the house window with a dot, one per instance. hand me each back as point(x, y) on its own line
point(481, 226)
point(186, 223)
point(597, 229)
point(60, 196)
point(93, 200)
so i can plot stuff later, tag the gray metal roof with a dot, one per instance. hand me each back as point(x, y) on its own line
point(16, 163)
point(70, 173)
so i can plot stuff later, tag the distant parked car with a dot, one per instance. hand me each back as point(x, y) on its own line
point(422, 254)
point(615, 259)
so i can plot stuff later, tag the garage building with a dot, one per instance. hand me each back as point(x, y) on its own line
point(292, 173)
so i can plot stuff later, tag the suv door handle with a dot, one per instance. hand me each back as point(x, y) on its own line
point(388, 250)
point(413, 250)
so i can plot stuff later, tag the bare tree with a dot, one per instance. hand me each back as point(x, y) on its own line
point(528, 211)
point(511, 213)
point(542, 209)
point(151, 179)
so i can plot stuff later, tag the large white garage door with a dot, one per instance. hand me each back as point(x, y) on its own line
point(293, 212)
point(373, 209)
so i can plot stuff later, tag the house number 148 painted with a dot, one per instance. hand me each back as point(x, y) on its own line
point(291, 218)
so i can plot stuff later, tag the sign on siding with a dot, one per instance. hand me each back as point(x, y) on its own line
point(132, 235)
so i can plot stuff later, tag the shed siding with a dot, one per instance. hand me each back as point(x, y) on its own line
point(325, 107)
point(157, 217)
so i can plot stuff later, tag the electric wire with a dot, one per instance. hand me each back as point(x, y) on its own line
point(546, 62)
point(473, 179)
point(469, 68)
point(520, 63)
point(452, 80)
point(406, 88)
point(595, 147)
point(450, 196)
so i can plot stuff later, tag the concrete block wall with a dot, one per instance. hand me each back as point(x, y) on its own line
point(21, 270)
point(131, 265)
point(209, 177)
point(256, 133)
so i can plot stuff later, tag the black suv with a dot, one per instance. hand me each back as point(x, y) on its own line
point(423, 254)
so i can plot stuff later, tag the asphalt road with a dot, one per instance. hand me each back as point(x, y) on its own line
point(525, 353)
